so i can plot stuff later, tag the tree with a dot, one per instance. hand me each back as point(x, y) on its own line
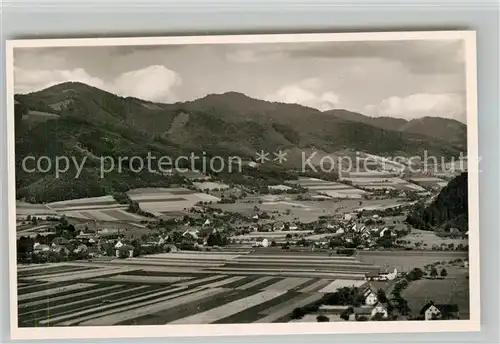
point(345, 314)
point(433, 272)
point(415, 274)
point(381, 296)
point(444, 273)
point(298, 313)
point(322, 318)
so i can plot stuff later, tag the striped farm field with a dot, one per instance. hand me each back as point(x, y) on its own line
point(181, 288)
point(24, 209)
point(159, 200)
point(84, 202)
point(104, 208)
point(218, 299)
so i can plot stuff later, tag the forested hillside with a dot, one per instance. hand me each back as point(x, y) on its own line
point(448, 210)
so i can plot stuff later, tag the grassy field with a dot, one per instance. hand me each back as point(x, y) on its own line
point(427, 239)
point(290, 210)
point(330, 189)
point(24, 209)
point(210, 185)
point(160, 200)
point(453, 289)
point(105, 208)
point(407, 260)
point(381, 182)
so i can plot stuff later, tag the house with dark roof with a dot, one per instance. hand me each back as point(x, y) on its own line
point(124, 250)
point(370, 296)
point(369, 312)
point(433, 311)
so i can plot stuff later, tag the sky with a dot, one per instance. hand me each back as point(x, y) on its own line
point(403, 79)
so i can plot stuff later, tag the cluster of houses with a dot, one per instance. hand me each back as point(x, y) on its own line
point(373, 309)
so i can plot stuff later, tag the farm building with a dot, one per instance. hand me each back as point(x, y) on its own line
point(381, 275)
point(60, 241)
point(370, 296)
point(432, 311)
point(81, 248)
point(369, 312)
point(380, 309)
point(38, 248)
point(124, 250)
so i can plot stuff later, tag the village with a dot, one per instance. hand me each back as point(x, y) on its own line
point(369, 288)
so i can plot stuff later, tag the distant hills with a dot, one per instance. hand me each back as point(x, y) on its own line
point(448, 210)
point(450, 130)
point(75, 119)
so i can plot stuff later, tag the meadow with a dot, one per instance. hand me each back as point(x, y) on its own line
point(427, 239)
point(159, 201)
point(453, 289)
point(330, 189)
point(104, 208)
point(407, 260)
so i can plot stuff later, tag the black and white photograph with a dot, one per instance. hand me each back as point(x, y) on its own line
point(291, 183)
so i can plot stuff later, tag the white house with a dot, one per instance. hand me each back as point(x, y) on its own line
point(265, 243)
point(431, 312)
point(348, 217)
point(340, 231)
point(125, 251)
point(370, 296)
point(380, 309)
point(206, 223)
point(37, 247)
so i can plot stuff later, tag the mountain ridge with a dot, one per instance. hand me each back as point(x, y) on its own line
point(56, 120)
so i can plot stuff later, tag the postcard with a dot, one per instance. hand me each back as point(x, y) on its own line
point(243, 185)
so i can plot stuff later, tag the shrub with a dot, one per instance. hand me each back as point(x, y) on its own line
point(322, 318)
point(298, 313)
